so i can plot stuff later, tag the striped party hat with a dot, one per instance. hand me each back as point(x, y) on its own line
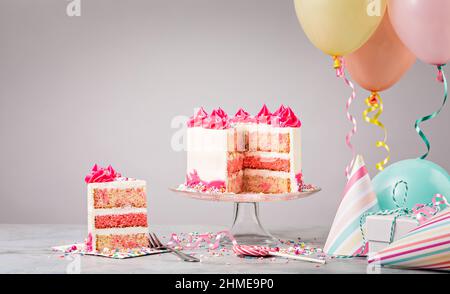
point(425, 247)
point(345, 237)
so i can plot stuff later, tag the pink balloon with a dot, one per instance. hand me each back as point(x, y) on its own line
point(424, 27)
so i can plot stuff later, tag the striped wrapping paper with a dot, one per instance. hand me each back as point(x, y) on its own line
point(345, 238)
point(425, 247)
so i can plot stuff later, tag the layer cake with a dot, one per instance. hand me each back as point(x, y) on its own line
point(260, 154)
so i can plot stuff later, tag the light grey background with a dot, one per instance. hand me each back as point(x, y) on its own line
point(104, 87)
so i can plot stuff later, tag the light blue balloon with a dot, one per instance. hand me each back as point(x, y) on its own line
point(424, 179)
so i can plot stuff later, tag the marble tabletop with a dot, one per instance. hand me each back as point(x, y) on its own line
point(27, 249)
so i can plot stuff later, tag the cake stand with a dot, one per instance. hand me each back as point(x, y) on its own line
point(247, 228)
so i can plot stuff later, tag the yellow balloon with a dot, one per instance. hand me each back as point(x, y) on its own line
point(339, 27)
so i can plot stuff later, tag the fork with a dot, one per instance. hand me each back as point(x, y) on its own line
point(156, 244)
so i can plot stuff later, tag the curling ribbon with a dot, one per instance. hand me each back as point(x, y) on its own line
point(441, 78)
point(422, 212)
point(375, 104)
point(193, 241)
point(339, 66)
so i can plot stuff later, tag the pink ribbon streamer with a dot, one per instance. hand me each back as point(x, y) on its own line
point(423, 212)
point(194, 241)
point(340, 73)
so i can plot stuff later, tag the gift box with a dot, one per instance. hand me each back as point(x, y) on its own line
point(378, 230)
point(425, 247)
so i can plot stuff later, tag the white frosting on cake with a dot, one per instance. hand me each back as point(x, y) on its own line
point(122, 231)
point(266, 173)
point(207, 151)
point(296, 156)
point(118, 184)
point(117, 211)
point(271, 155)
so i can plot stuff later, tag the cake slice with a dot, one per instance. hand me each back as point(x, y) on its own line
point(117, 211)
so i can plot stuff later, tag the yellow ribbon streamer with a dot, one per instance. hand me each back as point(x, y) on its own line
point(337, 62)
point(376, 105)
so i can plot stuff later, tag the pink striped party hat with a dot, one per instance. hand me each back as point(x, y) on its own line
point(345, 237)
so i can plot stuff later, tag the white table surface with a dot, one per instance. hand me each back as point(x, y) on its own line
point(27, 249)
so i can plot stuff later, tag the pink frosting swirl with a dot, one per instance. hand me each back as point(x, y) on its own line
point(283, 117)
point(221, 113)
point(299, 178)
point(88, 242)
point(264, 115)
point(102, 175)
point(193, 179)
point(288, 119)
point(279, 110)
point(198, 119)
point(275, 119)
point(242, 116)
point(217, 120)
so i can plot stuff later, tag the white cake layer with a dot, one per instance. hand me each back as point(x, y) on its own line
point(121, 231)
point(266, 173)
point(118, 184)
point(118, 211)
point(271, 155)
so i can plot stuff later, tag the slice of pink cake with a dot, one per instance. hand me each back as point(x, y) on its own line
point(117, 211)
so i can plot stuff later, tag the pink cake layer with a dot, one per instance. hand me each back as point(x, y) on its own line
point(121, 242)
point(116, 197)
point(121, 220)
point(257, 184)
point(275, 164)
point(269, 142)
